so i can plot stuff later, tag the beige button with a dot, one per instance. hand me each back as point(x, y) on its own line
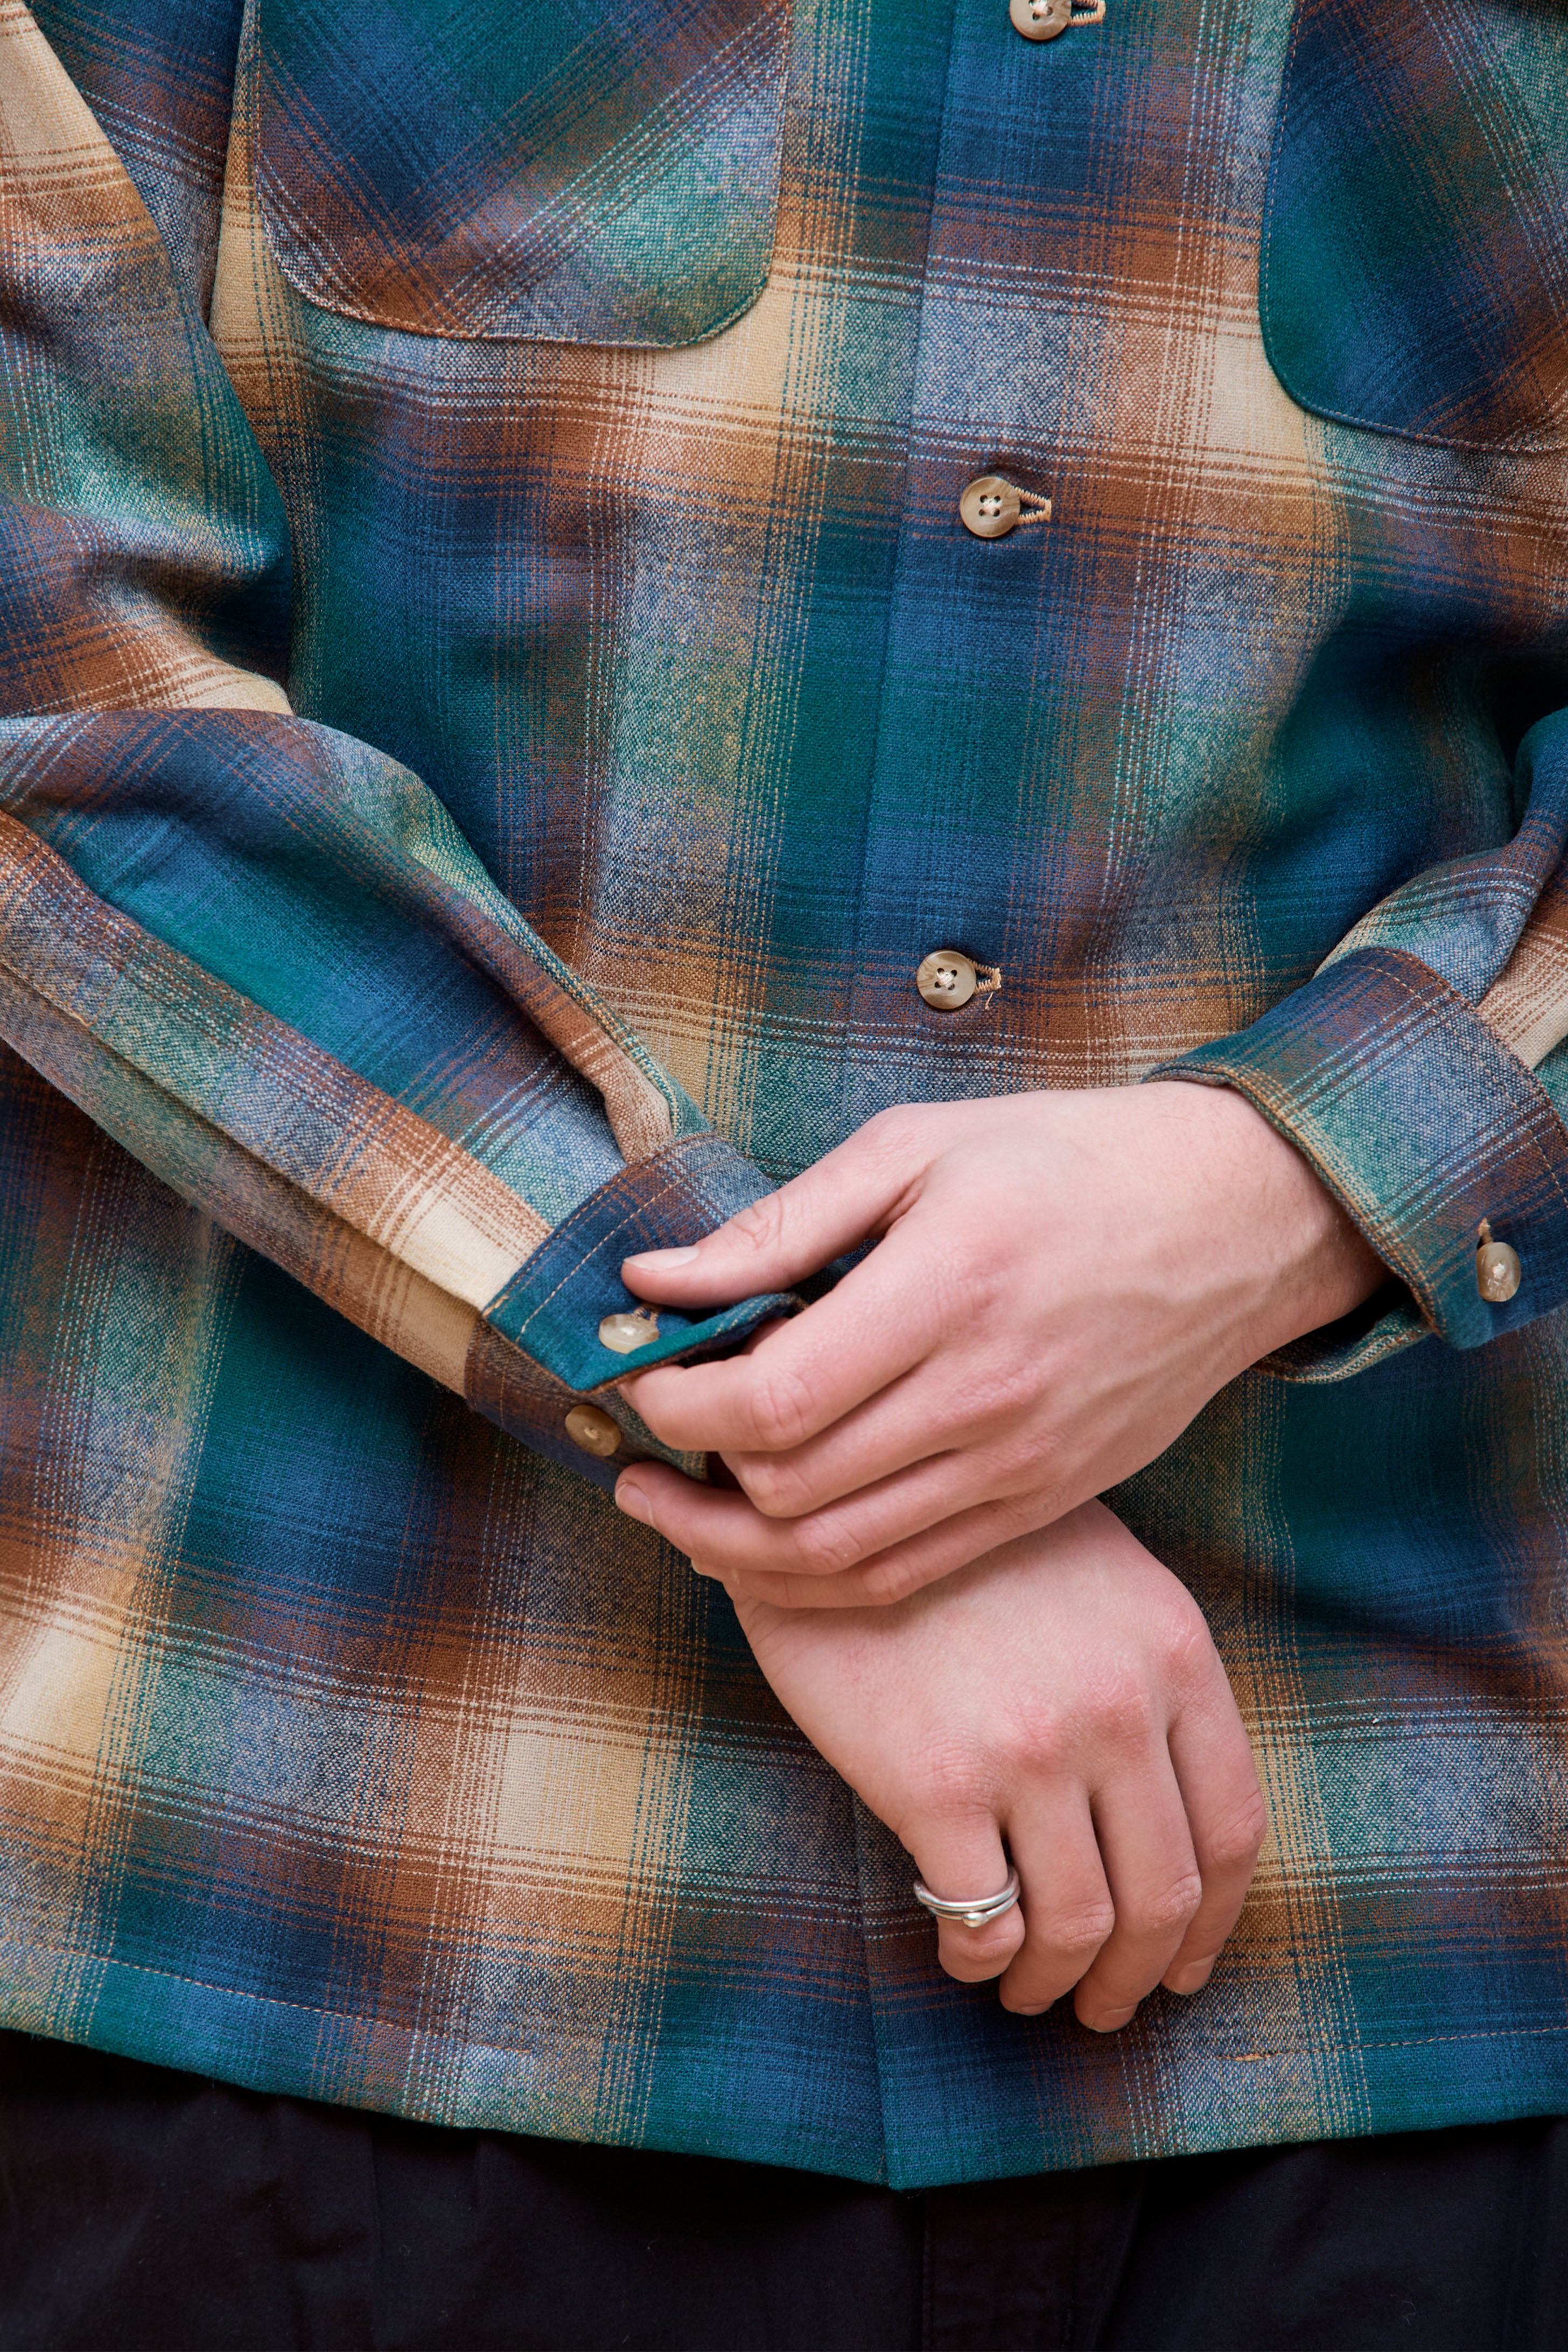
point(989, 506)
point(1040, 20)
point(1497, 1272)
point(946, 979)
point(593, 1430)
point(625, 1334)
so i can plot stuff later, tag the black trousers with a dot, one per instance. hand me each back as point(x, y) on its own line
point(142, 2210)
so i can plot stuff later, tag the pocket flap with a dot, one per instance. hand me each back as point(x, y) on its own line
point(588, 171)
point(1415, 274)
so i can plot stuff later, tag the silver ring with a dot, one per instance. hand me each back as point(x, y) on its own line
point(976, 1914)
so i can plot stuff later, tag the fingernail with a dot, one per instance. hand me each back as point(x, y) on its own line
point(661, 1257)
point(630, 1498)
point(1111, 2021)
point(1032, 2009)
point(1192, 1978)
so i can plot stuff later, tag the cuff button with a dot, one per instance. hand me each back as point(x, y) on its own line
point(593, 1431)
point(625, 1334)
point(1498, 1270)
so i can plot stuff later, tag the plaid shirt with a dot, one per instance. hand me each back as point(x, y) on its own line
point(499, 702)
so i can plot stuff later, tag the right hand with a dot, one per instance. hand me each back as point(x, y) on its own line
point(1048, 1305)
point(1064, 1693)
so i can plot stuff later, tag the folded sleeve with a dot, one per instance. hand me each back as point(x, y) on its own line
point(257, 951)
point(1423, 1071)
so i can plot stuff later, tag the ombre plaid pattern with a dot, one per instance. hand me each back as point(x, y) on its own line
point(498, 703)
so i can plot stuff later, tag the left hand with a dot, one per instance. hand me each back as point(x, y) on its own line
point(1064, 1695)
point(1063, 1281)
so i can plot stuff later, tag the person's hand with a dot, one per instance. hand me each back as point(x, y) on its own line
point(1063, 1694)
point(1063, 1281)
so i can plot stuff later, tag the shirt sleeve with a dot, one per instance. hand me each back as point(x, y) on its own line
point(1423, 1070)
point(257, 951)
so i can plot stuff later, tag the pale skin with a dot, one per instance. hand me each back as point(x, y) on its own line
point(1062, 1693)
point(1062, 1282)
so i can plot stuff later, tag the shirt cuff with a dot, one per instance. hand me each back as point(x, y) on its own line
point(554, 1305)
point(1422, 1123)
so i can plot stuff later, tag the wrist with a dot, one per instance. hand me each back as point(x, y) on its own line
point(1309, 1262)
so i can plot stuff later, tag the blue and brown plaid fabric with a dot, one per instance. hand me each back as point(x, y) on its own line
point(499, 701)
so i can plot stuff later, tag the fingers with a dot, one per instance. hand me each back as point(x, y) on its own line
point(1066, 1903)
point(836, 1559)
point(1109, 1895)
point(891, 1431)
point(808, 1374)
point(1228, 1822)
point(792, 1232)
point(964, 1859)
point(964, 1415)
point(1151, 1868)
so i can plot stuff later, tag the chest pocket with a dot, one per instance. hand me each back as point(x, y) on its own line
point(1414, 273)
point(582, 171)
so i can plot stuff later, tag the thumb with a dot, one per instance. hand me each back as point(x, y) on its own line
point(782, 1238)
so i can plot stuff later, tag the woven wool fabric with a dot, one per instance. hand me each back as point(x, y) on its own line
point(498, 702)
